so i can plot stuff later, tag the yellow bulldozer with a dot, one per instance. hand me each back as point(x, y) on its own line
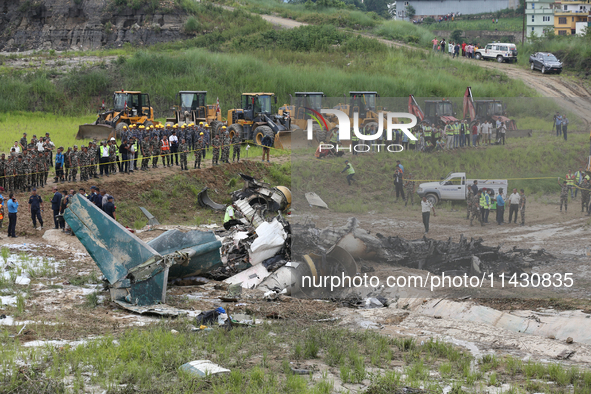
point(255, 120)
point(129, 107)
point(365, 104)
point(193, 108)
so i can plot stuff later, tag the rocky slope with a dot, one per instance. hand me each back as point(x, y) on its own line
point(85, 24)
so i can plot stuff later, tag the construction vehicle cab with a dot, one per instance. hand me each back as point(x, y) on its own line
point(193, 108)
point(362, 102)
point(479, 110)
point(129, 107)
point(438, 112)
point(301, 111)
point(255, 120)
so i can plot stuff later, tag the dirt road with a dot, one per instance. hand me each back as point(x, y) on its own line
point(570, 94)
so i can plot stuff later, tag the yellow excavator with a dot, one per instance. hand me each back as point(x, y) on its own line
point(129, 107)
point(255, 120)
point(193, 108)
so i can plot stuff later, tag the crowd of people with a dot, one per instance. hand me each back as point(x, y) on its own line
point(59, 202)
point(454, 49)
point(28, 163)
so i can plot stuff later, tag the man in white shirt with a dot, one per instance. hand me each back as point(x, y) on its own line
point(174, 147)
point(40, 147)
point(16, 147)
point(426, 208)
point(514, 199)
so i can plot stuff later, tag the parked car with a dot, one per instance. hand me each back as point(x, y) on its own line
point(502, 52)
point(455, 187)
point(545, 62)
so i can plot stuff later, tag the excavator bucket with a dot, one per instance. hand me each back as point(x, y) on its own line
point(95, 131)
point(283, 140)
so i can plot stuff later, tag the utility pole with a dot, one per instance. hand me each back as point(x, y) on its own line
point(523, 30)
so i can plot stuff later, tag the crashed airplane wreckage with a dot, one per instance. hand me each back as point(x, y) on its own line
point(257, 253)
point(452, 258)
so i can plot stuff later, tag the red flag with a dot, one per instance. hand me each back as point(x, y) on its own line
point(217, 105)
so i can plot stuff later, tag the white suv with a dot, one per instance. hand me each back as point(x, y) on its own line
point(500, 51)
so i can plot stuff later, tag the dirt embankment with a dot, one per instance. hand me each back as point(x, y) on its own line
point(91, 24)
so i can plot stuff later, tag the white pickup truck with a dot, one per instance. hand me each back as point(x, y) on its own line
point(455, 187)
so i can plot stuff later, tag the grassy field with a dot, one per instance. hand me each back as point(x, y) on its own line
point(260, 359)
point(514, 24)
point(542, 157)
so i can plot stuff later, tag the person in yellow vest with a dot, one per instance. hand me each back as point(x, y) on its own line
point(350, 171)
point(484, 205)
point(579, 178)
point(570, 182)
point(230, 217)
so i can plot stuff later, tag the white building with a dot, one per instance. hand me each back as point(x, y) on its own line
point(539, 17)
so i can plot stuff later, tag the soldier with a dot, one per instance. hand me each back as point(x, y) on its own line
point(564, 188)
point(3, 171)
point(469, 202)
point(67, 164)
point(206, 138)
point(28, 161)
point(154, 150)
point(226, 146)
point(47, 159)
point(191, 137)
point(475, 209)
point(10, 174)
point(23, 142)
point(409, 189)
point(112, 155)
point(522, 207)
point(33, 169)
point(93, 159)
point(20, 173)
point(184, 149)
point(145, 148)
point(41, 169)
point(585, 195)
point(236, 149)
point(198, 148)
point(215, 144)
point(74, 164)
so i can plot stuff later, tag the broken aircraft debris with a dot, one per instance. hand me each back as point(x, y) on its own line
point(263, 198)
point(138, 272)
point(452, 258)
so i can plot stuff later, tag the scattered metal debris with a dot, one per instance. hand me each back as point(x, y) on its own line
point(152, 221)
point(315, 201)
point(205, 201)
point(203, 368)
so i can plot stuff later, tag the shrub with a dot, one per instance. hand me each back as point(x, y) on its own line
point(191, 25)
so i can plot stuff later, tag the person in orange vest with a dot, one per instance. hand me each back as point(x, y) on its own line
point(165, 151)
point(1, 211)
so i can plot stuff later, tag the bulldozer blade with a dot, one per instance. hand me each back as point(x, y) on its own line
point(283, 140)
point(204, 200)
point(95, 131)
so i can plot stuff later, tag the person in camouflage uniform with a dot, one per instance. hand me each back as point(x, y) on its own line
point(206, 139)
point(236, 148)
point(564, 188)
point(145, 148)
point(93, 159)
point(33, 169)
point(215, 144)
point(11, 173)
point(475, 212)
point(409, 190)
point(20, 168)
point(522, 207)
point(3, 169)
point(85, 164)
point(67, 163)
point(154, 150)
point(585, 195)
point(469, 202)
point(28, 161)
point(23, 142)
point(112, 155)
point(184, 150)
point(74, 163)
point(199, 146)
point(47, 158)
point(225, 146)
